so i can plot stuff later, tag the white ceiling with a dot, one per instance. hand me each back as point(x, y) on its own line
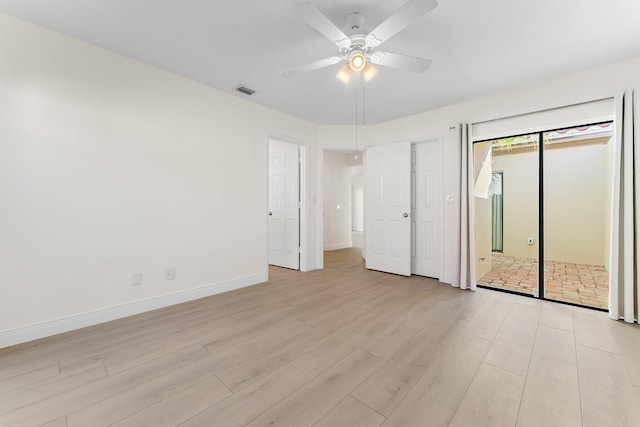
point(477, 47)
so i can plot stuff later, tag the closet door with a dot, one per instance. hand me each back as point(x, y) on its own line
point(388, 207)
point(284, 205)
point(426, 201)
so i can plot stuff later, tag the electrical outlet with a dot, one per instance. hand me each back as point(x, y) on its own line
point(530, 241)
point(136, 279)
point(170, 273)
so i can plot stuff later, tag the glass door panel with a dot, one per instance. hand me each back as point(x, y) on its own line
point(506, 195)
point(577, 214)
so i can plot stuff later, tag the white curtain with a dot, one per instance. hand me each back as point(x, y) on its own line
point(624, 270)
point(467, 228)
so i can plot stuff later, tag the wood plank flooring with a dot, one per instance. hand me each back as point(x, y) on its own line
point(339, 347)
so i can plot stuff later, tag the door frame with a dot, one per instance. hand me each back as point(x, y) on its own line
point(540, 293)
point(501, 173)
point(302, 188)
point(320, 205)
point(320, 198)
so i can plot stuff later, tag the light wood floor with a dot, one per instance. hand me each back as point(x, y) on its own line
point(338, 347)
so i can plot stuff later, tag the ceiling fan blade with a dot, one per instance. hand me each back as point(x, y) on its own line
point(318, 20)
point(405, 16)
point(403, 62)
point(292, 72)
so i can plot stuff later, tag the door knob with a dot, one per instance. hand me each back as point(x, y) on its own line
point(405, 215)
point(270, 213)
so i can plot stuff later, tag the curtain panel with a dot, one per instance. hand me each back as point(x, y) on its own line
point(624, 274)
point(467, 228)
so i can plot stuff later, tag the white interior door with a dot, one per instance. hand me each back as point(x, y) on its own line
point(388, 206)
point(426, 212)
point(284, 205)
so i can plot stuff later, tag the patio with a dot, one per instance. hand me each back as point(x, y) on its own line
point(575, 283)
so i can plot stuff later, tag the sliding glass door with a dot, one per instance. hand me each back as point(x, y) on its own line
point(543, 199)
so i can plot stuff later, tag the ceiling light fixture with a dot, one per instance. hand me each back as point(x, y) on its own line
point(357, 64)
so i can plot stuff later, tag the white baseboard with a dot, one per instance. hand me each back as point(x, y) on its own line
point(336, 246)
point(77, 321)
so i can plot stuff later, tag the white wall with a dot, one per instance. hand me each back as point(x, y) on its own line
point(588, 85)
point(110, 167)
point(337, 200)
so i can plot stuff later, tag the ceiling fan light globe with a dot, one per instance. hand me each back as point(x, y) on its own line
point(369, 72)
point(344, 75)
point(357, 62)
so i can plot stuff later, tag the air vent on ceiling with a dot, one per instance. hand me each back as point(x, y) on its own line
point(244, 90)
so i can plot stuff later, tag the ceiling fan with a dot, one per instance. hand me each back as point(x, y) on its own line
point(361, 50)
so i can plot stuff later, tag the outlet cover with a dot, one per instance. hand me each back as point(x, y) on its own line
point(170, 274)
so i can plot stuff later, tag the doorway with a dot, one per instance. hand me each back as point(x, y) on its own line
point(343, 199)
point(542, 214)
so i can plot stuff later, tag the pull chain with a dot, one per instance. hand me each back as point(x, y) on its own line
point(357, 84)
point(364, 105)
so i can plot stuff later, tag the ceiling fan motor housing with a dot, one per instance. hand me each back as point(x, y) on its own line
point(356, 43)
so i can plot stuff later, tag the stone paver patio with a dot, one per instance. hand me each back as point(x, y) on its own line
point(575, 283)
